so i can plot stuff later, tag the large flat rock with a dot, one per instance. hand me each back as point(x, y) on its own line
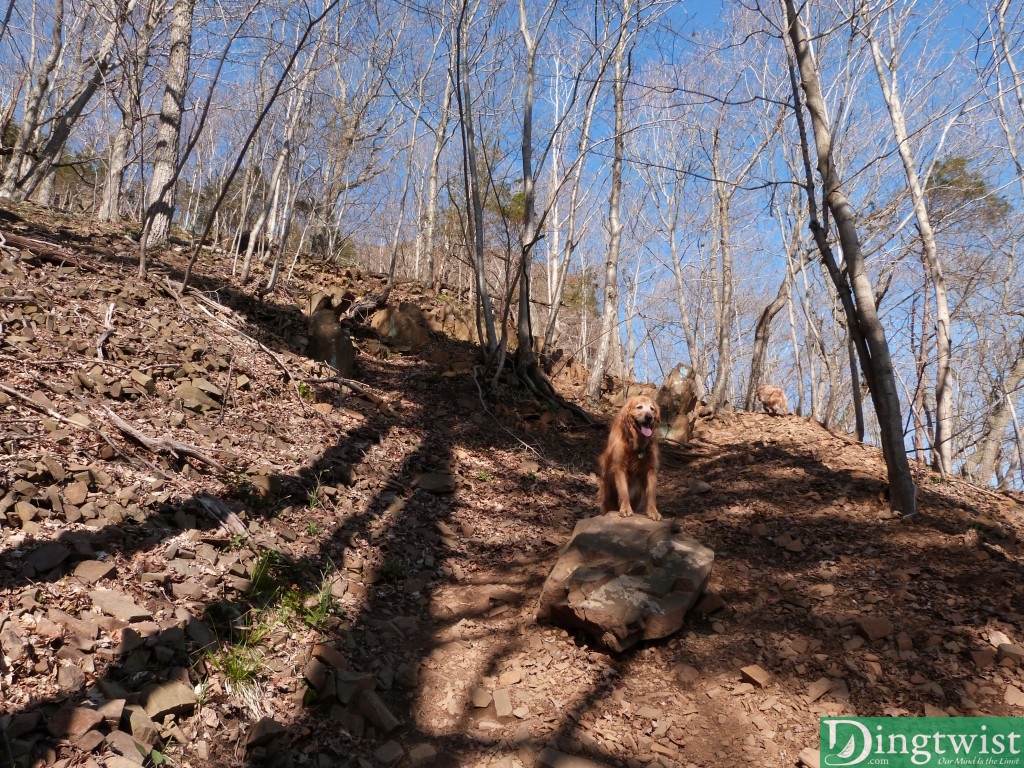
point(625, 579)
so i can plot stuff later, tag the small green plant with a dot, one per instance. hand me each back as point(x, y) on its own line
point(484, 476)
point(313, 528)
point(252, 627)
point(241, 665)
point(314, 494)
point(314, 609)
point(267, 574)
point(305, 391)
point(319, 608)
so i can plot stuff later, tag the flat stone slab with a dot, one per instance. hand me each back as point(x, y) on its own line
point(118, 605)
point(73, 722)
point(91, 571)
point(171, 698)
point(48, 556)
point(625, 579)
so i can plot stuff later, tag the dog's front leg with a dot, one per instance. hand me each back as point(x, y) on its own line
point(652, 489)
point(622, 487)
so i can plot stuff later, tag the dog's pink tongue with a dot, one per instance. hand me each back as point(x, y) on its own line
point(646, 430)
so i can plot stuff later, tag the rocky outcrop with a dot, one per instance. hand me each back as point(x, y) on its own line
point(451, 319)
point(677, 399)
point(330, 343)
point(625, 579)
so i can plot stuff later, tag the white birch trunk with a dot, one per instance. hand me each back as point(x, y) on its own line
point(160, 210)
point(942, 441)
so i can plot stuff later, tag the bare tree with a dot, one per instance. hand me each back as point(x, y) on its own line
point(725, 182)
point(763, 329)
point(439, 131)
point(610, 309)
point(526, 358)
point(666, 150)
point(887, 68)
point(95, 67)
point(312, 23)
point(130, 105)
point(297, 102)
point(160, 210)
point(7, 18)
point(473, 179)
point(564, 241)
point(1005, 81)
point(854, 285)
point(32, 109)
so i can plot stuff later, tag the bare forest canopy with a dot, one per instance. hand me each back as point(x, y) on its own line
point(823, 196)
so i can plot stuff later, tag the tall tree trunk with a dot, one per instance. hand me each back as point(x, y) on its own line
point(280, 167)
point(697, 356)
point(942, 442)
point(430, 226)
point(7, 18)
point(797, 357)
point(855, 286)
point(160, 210)
point(131, 115)
point(117, 160)
point(33, 105)
point(610, 309)
point(571, 239)
point(919, 405)
point(725, 303)
point(474, 185)
point(526, 358)
point(858, 395)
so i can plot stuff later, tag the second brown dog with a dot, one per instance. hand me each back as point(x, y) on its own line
point(773, 399)
point(629, 462)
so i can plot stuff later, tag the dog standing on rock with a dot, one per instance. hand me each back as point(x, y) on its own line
point(629, 463)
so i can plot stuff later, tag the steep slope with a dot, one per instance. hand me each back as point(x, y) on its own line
point(204, 553)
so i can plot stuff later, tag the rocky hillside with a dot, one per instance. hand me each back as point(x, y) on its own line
point(211, 554)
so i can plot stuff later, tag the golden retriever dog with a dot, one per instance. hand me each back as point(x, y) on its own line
point(629, 463)
point(773, 399)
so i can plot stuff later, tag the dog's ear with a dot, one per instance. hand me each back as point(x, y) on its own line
point(628, 422)
point(627, 409)
point(657, 413)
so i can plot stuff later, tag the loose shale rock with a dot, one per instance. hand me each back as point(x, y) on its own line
point(118, 605)
point(72, 722)
point(625, 579)
point(171, 698)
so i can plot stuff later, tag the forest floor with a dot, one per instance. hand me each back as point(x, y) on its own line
point(283, 579)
